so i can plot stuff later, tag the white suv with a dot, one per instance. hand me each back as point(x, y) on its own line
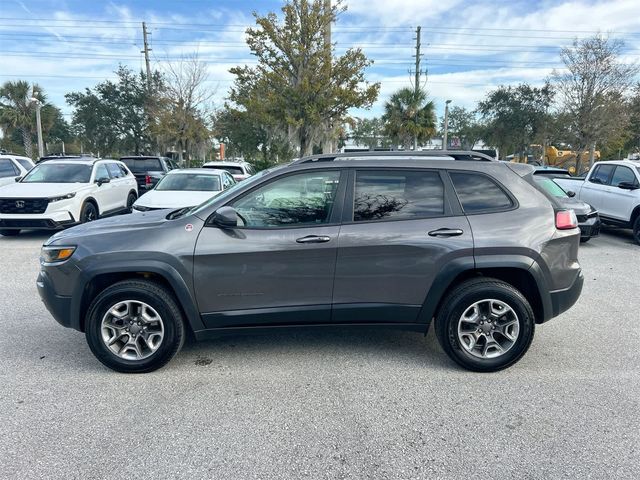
point(239, 170)
point(60, 193)
point(13, 166)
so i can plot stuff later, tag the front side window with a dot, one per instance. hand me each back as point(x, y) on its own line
point(601, 174)
point(26, 164)
point(101, 172)
point(479, 193)
point(623, 174)
point(296, 200)
point(59, 173)
point(397, 194)
point(7, 169)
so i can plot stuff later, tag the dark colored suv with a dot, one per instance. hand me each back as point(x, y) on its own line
point(390, 239)
point(148, 170)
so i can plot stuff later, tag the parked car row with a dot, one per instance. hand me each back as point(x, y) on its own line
point(62, 191)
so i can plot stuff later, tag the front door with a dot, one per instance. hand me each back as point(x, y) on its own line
point(398, 234)
point(277, 267)
point(619, 202)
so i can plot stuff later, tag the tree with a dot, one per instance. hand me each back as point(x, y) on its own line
point(515, 116)
point(463, 124)
point(298, 85)
point(114, 117)
point(369, 132)
point(632, 144)
point(17, 112)
point(592, 89)
point(408, 114)
point(183, 109)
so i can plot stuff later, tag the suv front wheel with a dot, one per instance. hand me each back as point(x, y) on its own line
point(134, 326)
point(485, 325)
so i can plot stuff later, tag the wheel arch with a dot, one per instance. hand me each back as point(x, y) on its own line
point(521, 272)
point(96, 280)
point(91, 200)
point(634, 215)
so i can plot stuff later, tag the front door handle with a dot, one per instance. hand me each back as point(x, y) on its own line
point(314, 239)
point(446, 232)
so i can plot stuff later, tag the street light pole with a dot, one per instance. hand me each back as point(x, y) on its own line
point(446, 124)
point(38, 105)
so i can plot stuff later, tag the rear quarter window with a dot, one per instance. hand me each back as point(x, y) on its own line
point(478, 193)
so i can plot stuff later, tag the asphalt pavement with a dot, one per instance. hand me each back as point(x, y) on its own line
point(327, 404)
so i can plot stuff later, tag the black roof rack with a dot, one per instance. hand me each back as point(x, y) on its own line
point(445, 154)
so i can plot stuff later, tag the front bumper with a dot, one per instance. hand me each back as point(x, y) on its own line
point(59, 306)
point(37, 221)
point(563, 300)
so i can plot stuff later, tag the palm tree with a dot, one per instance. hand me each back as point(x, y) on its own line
point(408, 114)
point(17, 110)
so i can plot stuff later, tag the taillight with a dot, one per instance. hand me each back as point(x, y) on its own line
point(147, 180)
point(566, 220)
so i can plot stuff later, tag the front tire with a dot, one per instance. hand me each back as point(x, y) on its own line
point(134, 326)
point(9, 233)
point(485, 325)
point(89, 213)
point(636, 230)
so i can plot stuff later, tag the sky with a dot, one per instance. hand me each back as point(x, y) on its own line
point(468, 47)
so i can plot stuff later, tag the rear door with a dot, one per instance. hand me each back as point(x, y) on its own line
point(399, 230)
point(119, 184)
point(277, 268)
point(618, 202)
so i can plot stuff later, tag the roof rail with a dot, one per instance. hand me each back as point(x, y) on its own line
point(445, 154)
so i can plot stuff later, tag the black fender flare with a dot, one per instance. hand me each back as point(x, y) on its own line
point(166, 271)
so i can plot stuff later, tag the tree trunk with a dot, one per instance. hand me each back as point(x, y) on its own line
point(592, 154)
point(26, 141)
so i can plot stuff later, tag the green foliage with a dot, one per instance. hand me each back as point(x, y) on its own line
point(298, 86)
point(515, 116)
point(370, 132)
point(408, 114)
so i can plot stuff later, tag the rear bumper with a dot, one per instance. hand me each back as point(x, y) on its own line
point(59, 306)
point(563, 300)
point(590, 228)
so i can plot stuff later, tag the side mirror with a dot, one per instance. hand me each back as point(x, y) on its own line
point(102, 180)
point(628, 186)
point(17, 179)
point(571, 194)
point(225, 217)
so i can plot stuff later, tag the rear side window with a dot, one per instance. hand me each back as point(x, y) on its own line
point(397, 194)
point(601, 174)
point(479, 193)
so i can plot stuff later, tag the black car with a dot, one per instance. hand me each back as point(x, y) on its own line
point(588, 218)
point(148, 170)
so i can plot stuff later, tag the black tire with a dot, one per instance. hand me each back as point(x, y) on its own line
point(156, 296)
point(465, 295)
point(584, 239)
point(9, 233)
point(636, 230)
point(89, 213)
point(131, 199)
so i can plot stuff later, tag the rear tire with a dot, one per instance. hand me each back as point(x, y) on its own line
point(9, 233)
point(131, 199)
point(636, 230)
point(115, 326)
point(503, 337)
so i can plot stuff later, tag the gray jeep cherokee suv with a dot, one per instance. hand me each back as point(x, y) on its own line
point(388, 239)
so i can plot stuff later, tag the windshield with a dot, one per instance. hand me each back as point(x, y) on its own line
point(190, 182)
point(551, 187)
point(58, 173)
point(230, 191)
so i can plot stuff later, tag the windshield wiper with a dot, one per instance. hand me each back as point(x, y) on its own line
point(178, 213)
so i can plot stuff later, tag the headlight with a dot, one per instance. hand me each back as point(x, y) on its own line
point(63, 197)
point(142, 208)
point(56, 254)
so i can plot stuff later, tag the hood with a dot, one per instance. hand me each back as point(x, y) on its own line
point(39, 190)
point(118, 223)
point(173, 199)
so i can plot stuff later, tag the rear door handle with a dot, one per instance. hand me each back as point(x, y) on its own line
point(314, 239)
point(446, 232)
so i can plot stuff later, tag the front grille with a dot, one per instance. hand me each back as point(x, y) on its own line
point(23, 205)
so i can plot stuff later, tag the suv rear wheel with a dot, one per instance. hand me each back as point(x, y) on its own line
point(485, 325)
point(134, 326)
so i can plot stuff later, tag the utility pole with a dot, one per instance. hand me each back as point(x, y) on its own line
point(146, 54)
point(38, 105)
point(446, 125)
point(417, 83)
point(328, 143)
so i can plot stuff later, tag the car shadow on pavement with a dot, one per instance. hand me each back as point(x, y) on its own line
point(29, 235)
point(624, 234)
